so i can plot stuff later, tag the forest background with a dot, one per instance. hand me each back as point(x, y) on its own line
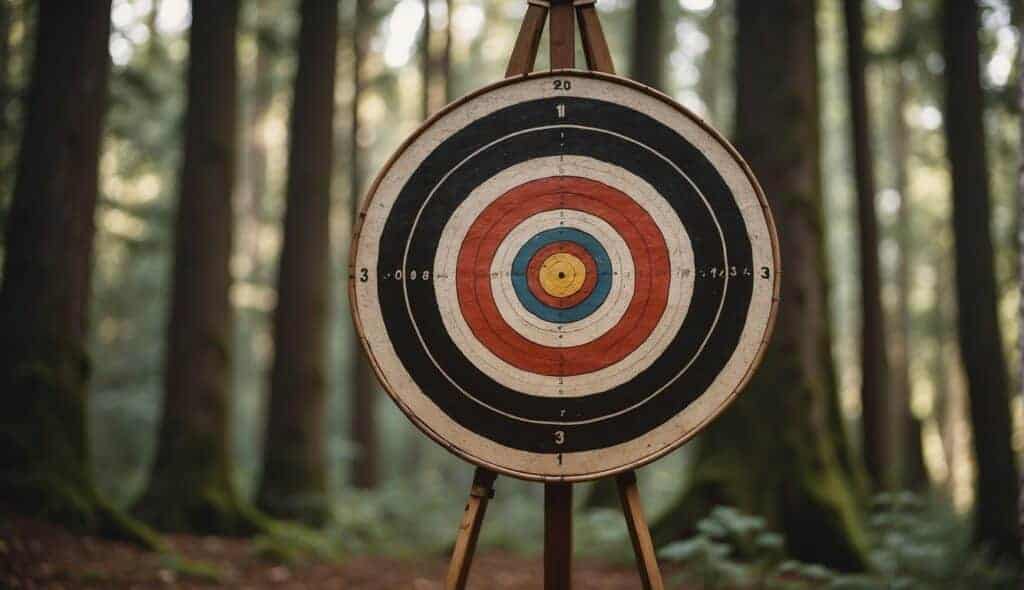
point(907, 134)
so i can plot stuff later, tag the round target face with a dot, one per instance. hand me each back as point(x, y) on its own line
point(564, 275)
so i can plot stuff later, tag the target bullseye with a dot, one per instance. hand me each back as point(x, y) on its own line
point(564, 276)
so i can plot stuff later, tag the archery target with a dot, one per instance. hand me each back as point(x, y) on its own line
point(564, 275)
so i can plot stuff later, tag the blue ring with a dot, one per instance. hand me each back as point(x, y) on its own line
point(581, 309)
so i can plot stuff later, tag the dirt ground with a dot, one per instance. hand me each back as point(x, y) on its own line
point(36, 555)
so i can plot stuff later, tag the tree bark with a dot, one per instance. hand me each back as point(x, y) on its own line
point(363, 413)
point(647, 59)
point(876, 428)
point(45, 468)
point(446, 55)
point(779, 451)
point(1020, 265)
point(426, 63)
point(912, 472)
point(294, 481)
point(978, 321)
point(1018, 10)
point(191, 487)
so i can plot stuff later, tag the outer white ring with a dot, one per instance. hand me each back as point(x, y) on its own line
point(599, 462)
point(680, 287)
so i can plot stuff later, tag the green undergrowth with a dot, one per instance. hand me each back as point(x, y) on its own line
point(915, 545)
point(176, 568)
point(292, 543)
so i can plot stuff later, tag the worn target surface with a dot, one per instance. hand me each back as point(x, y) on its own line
point(564, 275)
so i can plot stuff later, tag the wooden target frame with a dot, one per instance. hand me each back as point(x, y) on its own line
point(564, 276)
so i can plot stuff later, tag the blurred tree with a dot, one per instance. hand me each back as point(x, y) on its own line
point(45, 467)
point(446, 54)
point(911, 472)
point(294, 481)
point(363, 395)
point(1018, 16)
point(191, 486)
point(979, 332)
point(876, 427)
point(5, 53)
point(427, 63)
point(779, 450)
point(647, 60)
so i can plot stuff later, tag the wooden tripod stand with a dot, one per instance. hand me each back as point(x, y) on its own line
point(557, 496)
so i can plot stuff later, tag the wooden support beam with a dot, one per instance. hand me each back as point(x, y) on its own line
point(480, 493)
point(563, 35)
point(524, 54)
point(639, 534)
point(557, 536)
point(595, 46)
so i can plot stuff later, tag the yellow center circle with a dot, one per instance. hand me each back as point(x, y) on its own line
point(562, 275)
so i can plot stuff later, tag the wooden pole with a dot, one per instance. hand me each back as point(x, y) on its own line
point(639, 534)
point(480, 493)
point(557, 536)
point(563, 35)
point(595, 46)
point(524, 54)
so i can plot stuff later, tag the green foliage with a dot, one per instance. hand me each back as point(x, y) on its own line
point(916, 545)
point(290, 543)
point(179, 568)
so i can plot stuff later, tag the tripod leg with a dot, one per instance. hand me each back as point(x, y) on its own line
point(595, 46)
point(469, 529)
point(643, 547)
point(563, 35)
point(524, 54)
point(557, 536)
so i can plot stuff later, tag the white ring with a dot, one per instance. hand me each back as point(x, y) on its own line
point(576, 333)
point(680, 286)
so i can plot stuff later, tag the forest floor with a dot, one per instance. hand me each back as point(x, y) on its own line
point(35, 555)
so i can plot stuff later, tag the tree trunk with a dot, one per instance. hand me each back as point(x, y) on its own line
point(191, 484)
point(979, 332)
point(648, 56)
point(426, 63)
point(912, 473)
point(446, 56)
point(44, 296)
point(779, 451)
point(5, 59)
point(294, 481)
point(363, 413)
point(1018, 10)
point(876, 439)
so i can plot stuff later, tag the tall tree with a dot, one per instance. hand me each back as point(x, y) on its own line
point(778, 451)
point(979, 330)
point(647, 60)
point(45, 291)
point(191, 487)
point(363, 396)
point(1019, 13)
point(427, 64)
point(876, 427)
point(294, 481)
point(446, 53)
point(912, 472)
point(5, 58)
